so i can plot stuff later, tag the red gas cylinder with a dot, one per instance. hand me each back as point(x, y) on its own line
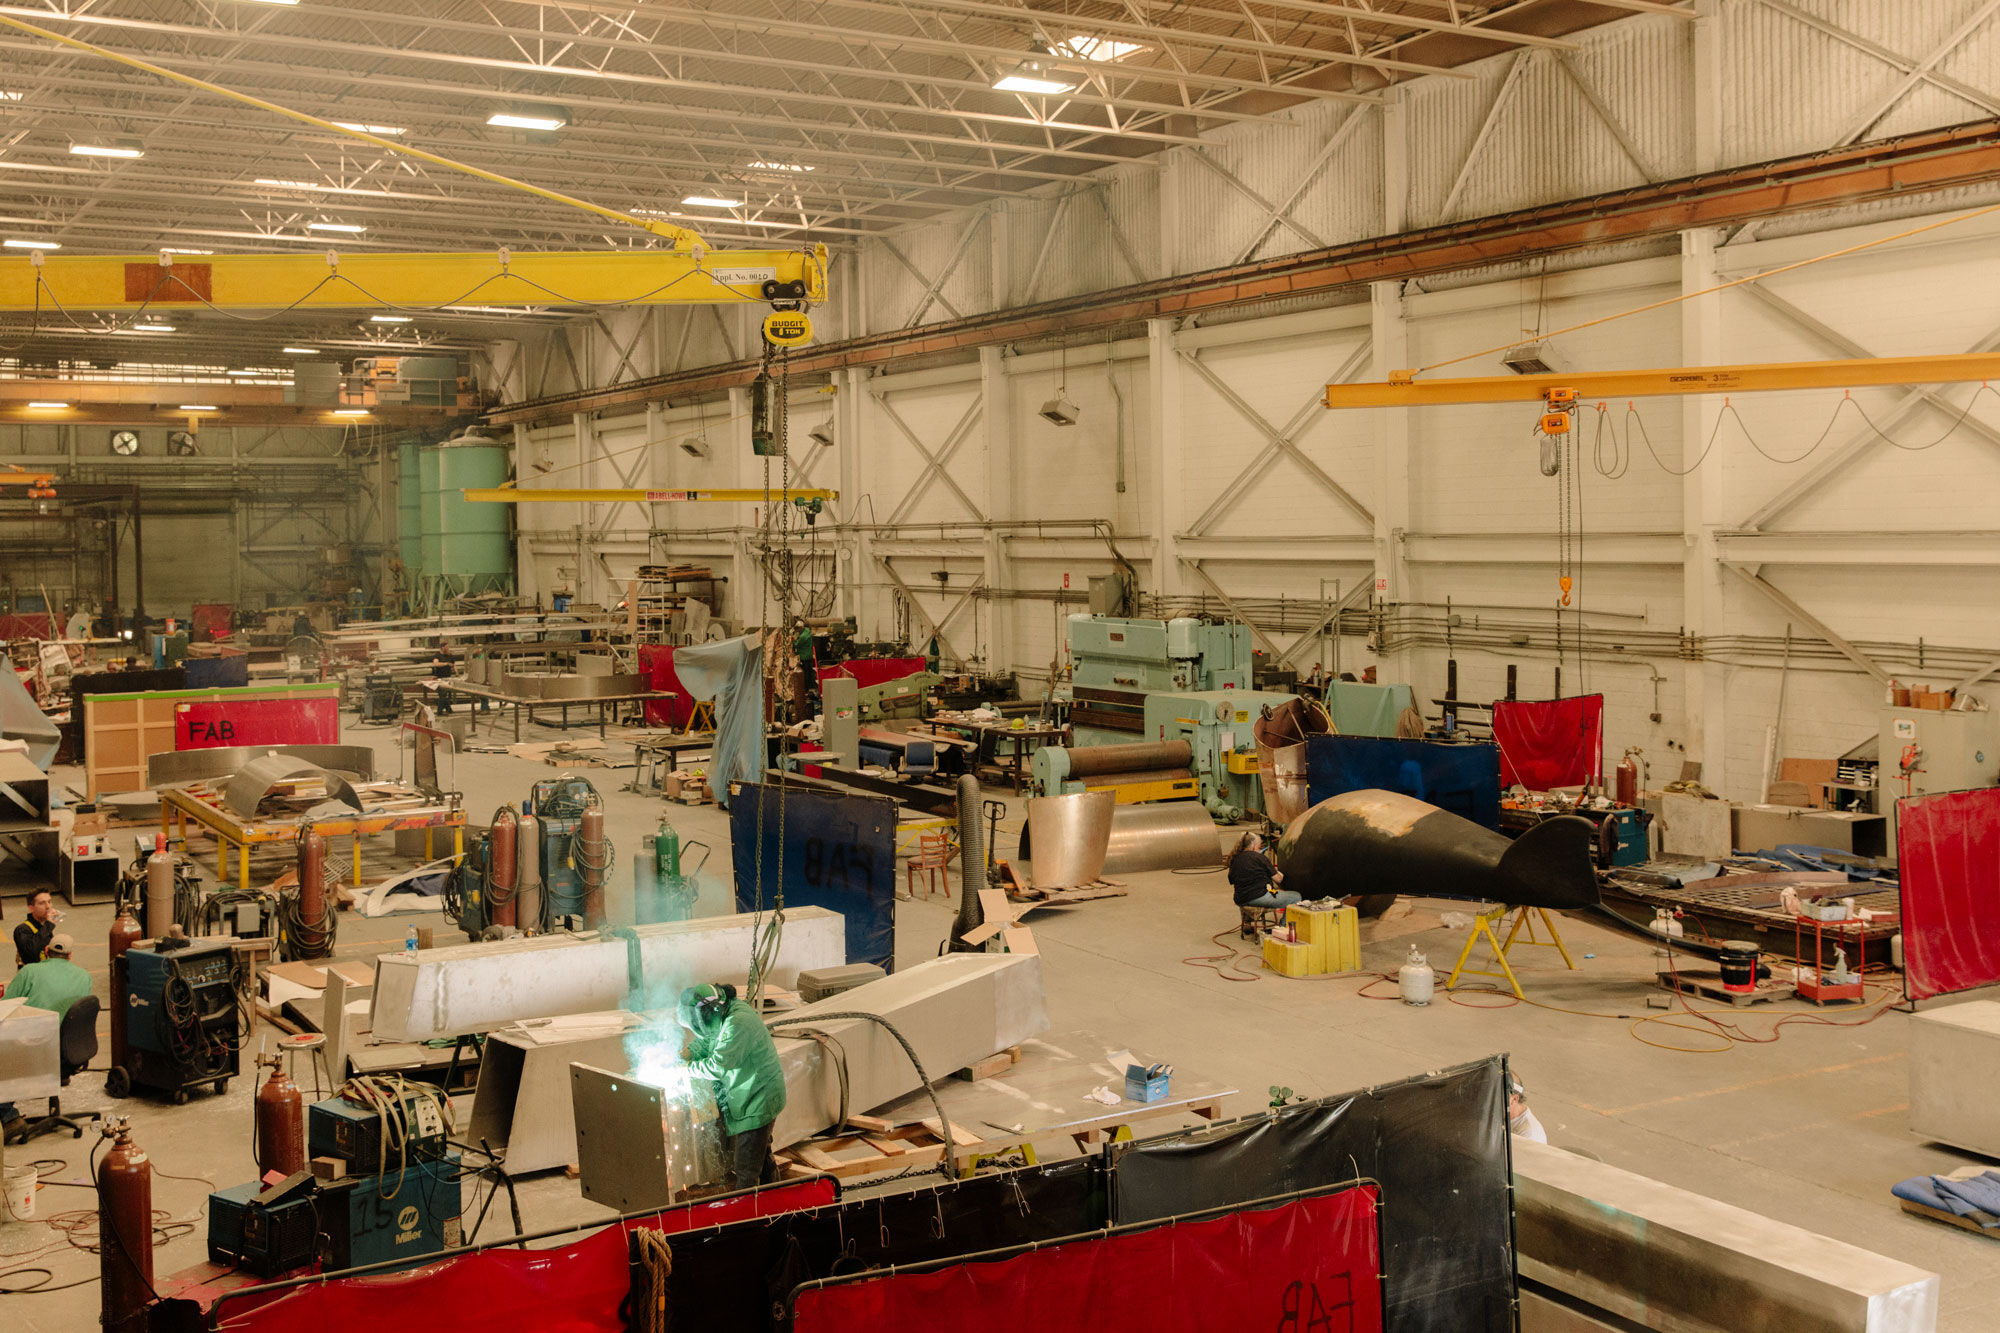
point(310, 933)
point(1628, 780)
point(280, 1121)
point(593, 859)
point(125, 933)
point(124, 1231)
point(500, 867)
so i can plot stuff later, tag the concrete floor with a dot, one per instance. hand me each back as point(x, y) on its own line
point(1810, 1129)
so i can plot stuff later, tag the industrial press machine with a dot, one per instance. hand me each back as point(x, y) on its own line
point(1162, 710)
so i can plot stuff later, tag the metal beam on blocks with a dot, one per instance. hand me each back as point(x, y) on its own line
point(478, 987)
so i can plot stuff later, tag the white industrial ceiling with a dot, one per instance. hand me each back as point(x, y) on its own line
point(823, 119)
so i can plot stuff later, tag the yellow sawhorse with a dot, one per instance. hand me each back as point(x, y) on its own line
point(1484, 925)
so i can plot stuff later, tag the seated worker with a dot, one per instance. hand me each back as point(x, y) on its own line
point(1254, 878)
point(32, 936)
point(730, 1046)
point(1520, 1120)
point(54, 984)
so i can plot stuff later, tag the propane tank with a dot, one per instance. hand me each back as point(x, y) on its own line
point(1667, 925)
point(591, 863)
point(159, 889)
point(125, 933)
point(648, 906)
point(1628, 780)
point(1415, 981)
point(500, 867)
point(280, 1121)
point(528, 869)
point(125, 1231)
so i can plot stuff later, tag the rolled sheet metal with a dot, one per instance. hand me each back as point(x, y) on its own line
point(1378, 844)
point(254, 781)
point(172, 767)
point(1162, 835)
point(1091, 761)
point(1067, 836)
point(1281, 734)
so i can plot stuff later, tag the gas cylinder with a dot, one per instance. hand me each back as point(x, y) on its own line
point(125, 1231)
point(500, 867)
point(647, 906)
point(313, 934)
point(125, 933)
point(677, 894)
point(1627, 789)
point(1667, 925)
point(1415, 981)
point(528, 869)
point(280, 1121)
point(159, 889)
point(592, 860)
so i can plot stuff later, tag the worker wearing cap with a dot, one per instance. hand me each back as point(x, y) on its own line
point(729, 1045)
point(31, 937)
point(55, 983)
point(1520, 1120)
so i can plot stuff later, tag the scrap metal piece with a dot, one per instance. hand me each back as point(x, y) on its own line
point(254, 781)
point(1378, 844)
point(1067, 837)
point(1281, 734)
point(173, 768)
point(1163, 835)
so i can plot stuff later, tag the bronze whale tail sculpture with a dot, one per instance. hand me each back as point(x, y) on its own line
point(1378, 844)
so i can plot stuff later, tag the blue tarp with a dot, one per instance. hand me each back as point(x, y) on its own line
point(1461, 778)
point(732, 674)
point(1977, 1199)
point(836, 852)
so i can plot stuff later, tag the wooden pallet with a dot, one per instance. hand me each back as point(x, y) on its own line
point(872, 1145)
point(1939, 1215)
point(1708, 985)
point(1019, 890)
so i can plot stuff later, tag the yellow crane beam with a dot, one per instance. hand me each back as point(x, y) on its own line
point(1864, 372)
point(407, 282)
point(742, 495)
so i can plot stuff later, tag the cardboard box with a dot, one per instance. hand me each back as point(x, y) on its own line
point(1147, 1083)
point(1813, 773)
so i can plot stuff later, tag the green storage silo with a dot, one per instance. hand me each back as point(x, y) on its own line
point(409, 512)
point(430, 533)
point(475, 542)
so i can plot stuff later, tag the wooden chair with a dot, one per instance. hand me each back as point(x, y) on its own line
point(933, 851)
point(1257, 920)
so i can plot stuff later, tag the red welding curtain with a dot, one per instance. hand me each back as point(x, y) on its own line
point(874, 670)
point(1546, 743)
point(574, 1289)
point(657, 661)
point(1948, 847)
point(1312, 1264)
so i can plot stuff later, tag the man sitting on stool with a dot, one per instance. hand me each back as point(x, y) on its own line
point(730, 1046)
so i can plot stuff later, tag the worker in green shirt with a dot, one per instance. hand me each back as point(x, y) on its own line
point(55, 983)
point(730, 1046)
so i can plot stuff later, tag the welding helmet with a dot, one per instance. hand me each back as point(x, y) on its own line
point(706, 1003)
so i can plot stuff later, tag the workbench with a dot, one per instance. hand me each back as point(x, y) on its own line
point(988, 738)
point(458, 685)
point(387, 808)
point(650, 752)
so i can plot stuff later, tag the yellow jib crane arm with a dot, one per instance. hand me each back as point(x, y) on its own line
point(742, 495)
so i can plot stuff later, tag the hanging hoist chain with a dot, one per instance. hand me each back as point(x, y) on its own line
point(775, 542)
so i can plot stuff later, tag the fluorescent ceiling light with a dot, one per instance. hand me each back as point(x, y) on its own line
point(6, 96)
point(711, 201)
point(287, 185)
point(104, 150)
point(547, 119)
point(1032, 76)
point(385, 131)
point(154, 328)
point(265, 370)
point(302, 351)
point(172, 250)
point(350, 228)
point(388, 319)
point(779, 166)
point(1100, 49)
point(350, 411)
point(197, 407)
point(48, 405)
point(277, 2)
point(26, 243)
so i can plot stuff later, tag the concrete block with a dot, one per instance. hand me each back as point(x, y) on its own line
point(1637, 1250)
point(953, 1010)
point(478, 987)
point(1955, 1076)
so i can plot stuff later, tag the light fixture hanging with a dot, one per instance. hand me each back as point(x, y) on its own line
point(1035, 75)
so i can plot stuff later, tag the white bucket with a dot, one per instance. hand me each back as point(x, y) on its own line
point(21, 1181)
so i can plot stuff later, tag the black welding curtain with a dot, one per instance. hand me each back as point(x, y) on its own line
point(1438, 1145)
point(831, 851)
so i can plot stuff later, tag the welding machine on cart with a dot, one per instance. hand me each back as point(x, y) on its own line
point(183, 1018)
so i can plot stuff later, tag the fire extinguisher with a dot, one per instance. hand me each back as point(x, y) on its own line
point(279, 1124)
point(124, 1231)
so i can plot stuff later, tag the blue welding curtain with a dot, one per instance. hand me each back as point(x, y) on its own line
point(831, 851)
point(1461, 778)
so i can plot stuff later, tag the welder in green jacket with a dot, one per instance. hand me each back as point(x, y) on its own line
point(730, 1046)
